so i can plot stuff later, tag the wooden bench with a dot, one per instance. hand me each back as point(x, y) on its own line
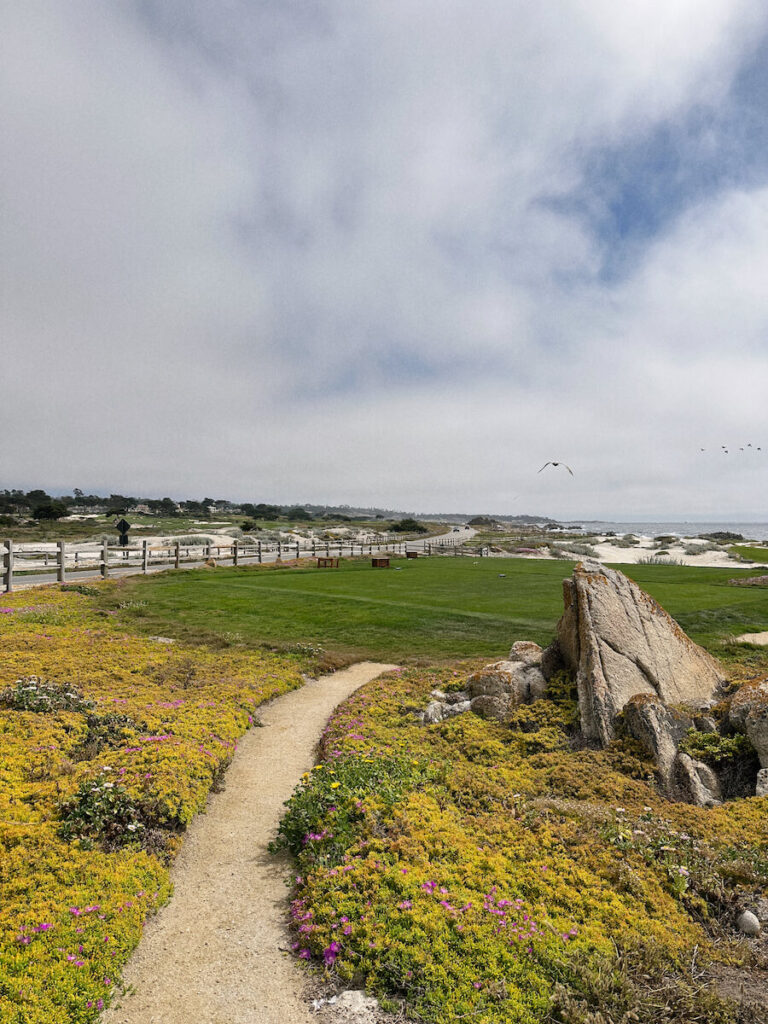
point(325, 562)
point(411, 554)
point(380, 563)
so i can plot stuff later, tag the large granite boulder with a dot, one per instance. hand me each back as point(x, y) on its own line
point(748, 714)
point(621, 643)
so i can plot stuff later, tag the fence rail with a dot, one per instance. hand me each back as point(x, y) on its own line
point(69, 561)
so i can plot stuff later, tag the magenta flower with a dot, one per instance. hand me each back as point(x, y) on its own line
point(330, 953)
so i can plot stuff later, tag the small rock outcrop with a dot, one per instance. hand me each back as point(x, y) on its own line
point(748, 714)
point(660, 730)
point(750, 581)
point(621, 643)
point(761, 786)
point(495, 690)
point(695, 782)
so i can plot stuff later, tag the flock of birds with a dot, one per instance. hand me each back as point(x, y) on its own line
point(723, 448)
point(727, 451)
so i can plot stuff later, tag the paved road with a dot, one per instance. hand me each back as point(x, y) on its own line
point(454, 538)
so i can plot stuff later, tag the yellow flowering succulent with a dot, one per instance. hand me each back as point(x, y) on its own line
point(157, 724)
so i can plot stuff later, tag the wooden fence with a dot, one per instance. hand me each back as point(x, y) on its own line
point(69, 561)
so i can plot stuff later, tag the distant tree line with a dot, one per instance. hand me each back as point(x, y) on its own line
point(40, 505)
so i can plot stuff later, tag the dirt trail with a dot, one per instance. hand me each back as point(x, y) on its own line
point(215, 955)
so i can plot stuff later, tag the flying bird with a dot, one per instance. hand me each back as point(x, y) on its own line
point(555, 464)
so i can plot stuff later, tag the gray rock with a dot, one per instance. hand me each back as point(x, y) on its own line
point(705, 723)
point(487, 706)
point(552, 660)
point(695, 782)
point(659, 729)
point(457, 697)
point(748, 924)
point(520, 681)
point(621, 643)
point(433, 713)
point(438, 695)
point(449, 710)
point(761, 786)
point(527, 652)
point(748, 714)
point(353, 1007)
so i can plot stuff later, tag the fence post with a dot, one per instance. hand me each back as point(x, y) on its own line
point(8, 566)
point(104, 558)
point(297, 551)
point(144, 555)
point(62, 568)
point(176, 555)
point(327, 548)
point(234, 553)
point(259, 552)
point(313, 547)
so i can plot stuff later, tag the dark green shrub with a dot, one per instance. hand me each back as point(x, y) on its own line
point(102, 812)
point(80, 588)
point(111, 730)
point(32, 694)
point(732, 757)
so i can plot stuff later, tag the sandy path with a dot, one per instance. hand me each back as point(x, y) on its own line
point(213, 955)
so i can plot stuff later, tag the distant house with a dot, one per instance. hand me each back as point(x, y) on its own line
point(143, 510)
point(91, 510)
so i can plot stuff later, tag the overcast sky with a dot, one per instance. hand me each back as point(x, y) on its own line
point(398, 252)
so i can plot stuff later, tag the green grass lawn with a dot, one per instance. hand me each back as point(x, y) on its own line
point(431, 609)
point(752, 552)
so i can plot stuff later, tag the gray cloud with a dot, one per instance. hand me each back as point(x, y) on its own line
point(304, 251)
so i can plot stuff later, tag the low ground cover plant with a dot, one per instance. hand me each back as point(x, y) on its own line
point(510, 876)
point(109, 745)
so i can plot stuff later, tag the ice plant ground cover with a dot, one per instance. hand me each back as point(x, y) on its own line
point(477, 871)
point(109, 745)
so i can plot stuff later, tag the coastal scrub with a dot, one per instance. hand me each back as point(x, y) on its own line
point(508, 876)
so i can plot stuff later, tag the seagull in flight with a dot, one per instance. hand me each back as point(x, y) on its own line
point(556, 464)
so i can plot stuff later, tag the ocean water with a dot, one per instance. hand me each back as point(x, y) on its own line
point(750, 531)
